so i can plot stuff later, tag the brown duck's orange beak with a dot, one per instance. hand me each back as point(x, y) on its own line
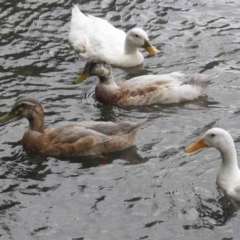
point(199, 144)
point(150, 48)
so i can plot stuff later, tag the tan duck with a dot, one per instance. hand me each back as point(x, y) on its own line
point(144, 90)
point(75, 139)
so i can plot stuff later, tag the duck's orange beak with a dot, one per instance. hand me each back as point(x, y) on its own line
point(199, 144)
point(150, 48)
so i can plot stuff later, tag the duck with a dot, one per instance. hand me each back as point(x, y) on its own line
point(169, 88)
point(84, 138)
point(95, 37)
point(228, 176)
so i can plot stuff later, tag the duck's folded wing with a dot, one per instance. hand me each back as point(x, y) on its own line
point(94, 36)
point(148, 81)
point(74, 133)
point(171, 79)
point(104, 128)
point(112, 128)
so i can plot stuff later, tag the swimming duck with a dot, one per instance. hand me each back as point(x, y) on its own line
point(143, 90)
point(228, 177)
point(95, 37)
point(75, 139)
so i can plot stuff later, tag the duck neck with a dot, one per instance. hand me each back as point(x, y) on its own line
point(129, 48)
point(36, 120)
point(108, 79)
point(229, 159)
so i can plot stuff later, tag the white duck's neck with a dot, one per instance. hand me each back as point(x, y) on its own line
point(229, 156)
point(129, 48)
point(229, 170)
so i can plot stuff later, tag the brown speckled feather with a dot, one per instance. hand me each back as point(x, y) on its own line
point(124, 96)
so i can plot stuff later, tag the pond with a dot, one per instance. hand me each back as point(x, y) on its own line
point(152, 190)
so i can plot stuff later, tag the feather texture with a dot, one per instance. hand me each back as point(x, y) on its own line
point(95, 37)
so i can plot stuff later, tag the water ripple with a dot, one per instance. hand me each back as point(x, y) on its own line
point(151, 189)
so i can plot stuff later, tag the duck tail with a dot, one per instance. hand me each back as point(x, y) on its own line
point(201, 80)
point(140, 122)
point(210, 77)
point(76, 13)
point(128, 127)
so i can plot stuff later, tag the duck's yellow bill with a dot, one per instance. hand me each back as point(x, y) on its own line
point(8, 116)
point(151, 49)
point(81, 77)
point(195, 146)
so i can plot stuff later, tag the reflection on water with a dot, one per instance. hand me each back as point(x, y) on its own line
point(151, 189)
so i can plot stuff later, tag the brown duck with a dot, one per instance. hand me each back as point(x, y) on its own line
point(174, 87)
point(75, 139)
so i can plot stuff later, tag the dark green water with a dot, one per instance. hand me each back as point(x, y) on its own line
point(152, 190)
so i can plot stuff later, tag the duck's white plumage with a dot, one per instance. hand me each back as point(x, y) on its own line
point(228, 177)
point(95, 37)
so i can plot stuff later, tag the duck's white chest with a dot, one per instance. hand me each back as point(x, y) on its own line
point(229, 182)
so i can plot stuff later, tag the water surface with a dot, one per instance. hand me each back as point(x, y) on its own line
point(152, 190)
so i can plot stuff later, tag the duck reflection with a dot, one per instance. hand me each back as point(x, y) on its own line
point(129, 155)
point(210, 213)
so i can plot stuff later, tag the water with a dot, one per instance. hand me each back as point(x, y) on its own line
point(152, 190)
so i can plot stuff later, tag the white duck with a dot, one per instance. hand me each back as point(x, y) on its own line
point(144, 90)
point(228, 177)
point(94, 37)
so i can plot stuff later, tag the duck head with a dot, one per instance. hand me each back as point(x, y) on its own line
point(215, 137)
point(23, 107)
point(138, 38)
point(95, 67)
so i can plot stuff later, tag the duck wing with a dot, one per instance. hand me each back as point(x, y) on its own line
point(167, 88)
point(104, 131)
point(171, 79)
point(93, 36)
point(112, 128)
point(72, 133)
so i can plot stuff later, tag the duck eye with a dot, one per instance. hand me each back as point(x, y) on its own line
point(136, 35)
point(212, 135)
